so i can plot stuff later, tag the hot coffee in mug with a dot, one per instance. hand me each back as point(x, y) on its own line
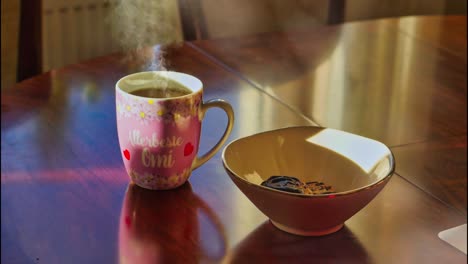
point(162, 92)
point(159, 117)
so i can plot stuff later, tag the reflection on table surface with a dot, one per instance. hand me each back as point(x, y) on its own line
point(399, 81)
point(167, 227)
point(379, 78)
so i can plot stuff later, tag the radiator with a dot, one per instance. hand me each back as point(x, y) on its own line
point(75, 30)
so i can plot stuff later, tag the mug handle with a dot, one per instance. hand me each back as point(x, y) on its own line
point(230, 114)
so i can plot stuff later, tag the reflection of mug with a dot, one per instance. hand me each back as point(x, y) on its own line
point(162, 227)
point(159, 137)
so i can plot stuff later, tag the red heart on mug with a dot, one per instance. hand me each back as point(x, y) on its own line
point(188, 149)
point(128, 221)
point(126, 154)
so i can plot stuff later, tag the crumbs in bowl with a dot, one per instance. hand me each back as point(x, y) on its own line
point(294, 185)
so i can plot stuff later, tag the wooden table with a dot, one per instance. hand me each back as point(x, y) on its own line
point(66, 197)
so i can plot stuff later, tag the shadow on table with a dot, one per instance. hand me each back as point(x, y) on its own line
point(164, 227)
point(267, 244)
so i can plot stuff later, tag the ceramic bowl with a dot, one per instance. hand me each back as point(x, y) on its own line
point(356, 167)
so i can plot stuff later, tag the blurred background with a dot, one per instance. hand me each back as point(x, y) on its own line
point(41, 35)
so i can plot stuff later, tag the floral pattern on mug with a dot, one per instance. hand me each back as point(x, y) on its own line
point(159, 137)
point(147, 109)
point(154, 181)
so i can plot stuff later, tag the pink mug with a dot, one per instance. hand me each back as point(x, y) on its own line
point(159, 137)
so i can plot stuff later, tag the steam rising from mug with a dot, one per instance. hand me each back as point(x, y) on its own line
point(144, 27)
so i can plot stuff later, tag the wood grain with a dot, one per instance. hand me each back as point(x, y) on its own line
point(66, 197)
point(438, 167)
point(447, 33)
point(368, 78)
point(400, 225)
point(63, 180)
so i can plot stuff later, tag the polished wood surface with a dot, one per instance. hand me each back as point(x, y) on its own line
point(368, 78)
point(397, 227)
point(445, 32)
point(66, 197)
point(438, 167)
